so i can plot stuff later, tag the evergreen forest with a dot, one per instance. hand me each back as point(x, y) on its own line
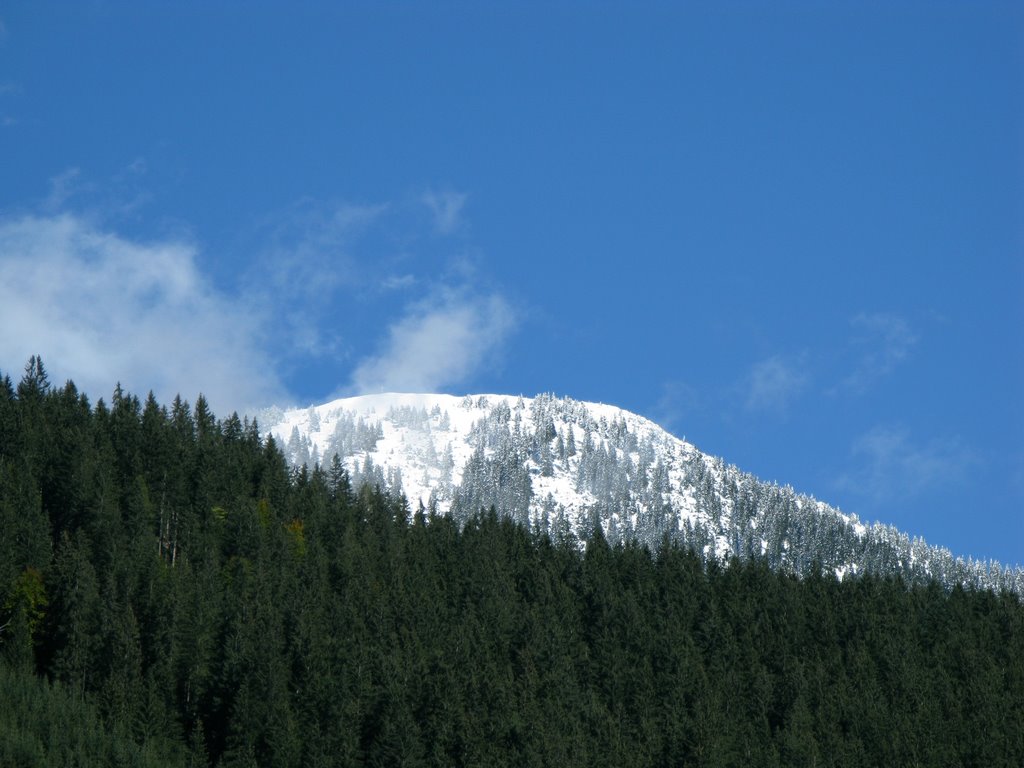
point(174, 593)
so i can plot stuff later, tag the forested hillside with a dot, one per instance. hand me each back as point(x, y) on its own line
point(172, 593)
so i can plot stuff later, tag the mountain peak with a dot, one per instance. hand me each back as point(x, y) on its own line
point(563, 466)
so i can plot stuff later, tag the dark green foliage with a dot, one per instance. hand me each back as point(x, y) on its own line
point(47, 725)
point(171, 594)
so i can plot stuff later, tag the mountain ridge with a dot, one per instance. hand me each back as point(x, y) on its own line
point(564, 466)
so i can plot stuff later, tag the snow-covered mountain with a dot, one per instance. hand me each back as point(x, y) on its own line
point(565, 467)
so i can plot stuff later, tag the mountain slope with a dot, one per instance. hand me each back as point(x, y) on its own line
point(565, 467)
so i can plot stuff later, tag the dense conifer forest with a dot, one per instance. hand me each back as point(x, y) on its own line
point(173, 594)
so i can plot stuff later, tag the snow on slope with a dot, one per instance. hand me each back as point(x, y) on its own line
point(450, 420)
point(565, 466)
point(642, 479)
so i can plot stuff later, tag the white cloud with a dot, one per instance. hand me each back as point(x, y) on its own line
point(100, 308)
point(886, 340)
point(322, 258)
point(891, 466)
point(773, 383)
point(446, 208)
point(440, 341)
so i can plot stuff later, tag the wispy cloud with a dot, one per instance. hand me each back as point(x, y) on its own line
point(440, 341)
point(890, 465)
point(322, 281)
point(63, 186)
point(101, 308)
point(320, 264)
point(677, 400)
point(884, 341)
point(1016, 473)
point(138, 166)
point(446, 208)
point(8, 88)
point(398, 282)
point(306, 249)
point(305, 262)
point(773, 384)
point(117, 198)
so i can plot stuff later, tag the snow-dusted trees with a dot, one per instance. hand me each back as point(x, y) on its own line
point(499, 480)
point(610, 469)
point(353, 434)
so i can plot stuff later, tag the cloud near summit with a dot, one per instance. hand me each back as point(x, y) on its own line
point(438, 342)
point(102, 307)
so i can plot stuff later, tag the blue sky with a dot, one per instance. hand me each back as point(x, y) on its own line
point(791, 232)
